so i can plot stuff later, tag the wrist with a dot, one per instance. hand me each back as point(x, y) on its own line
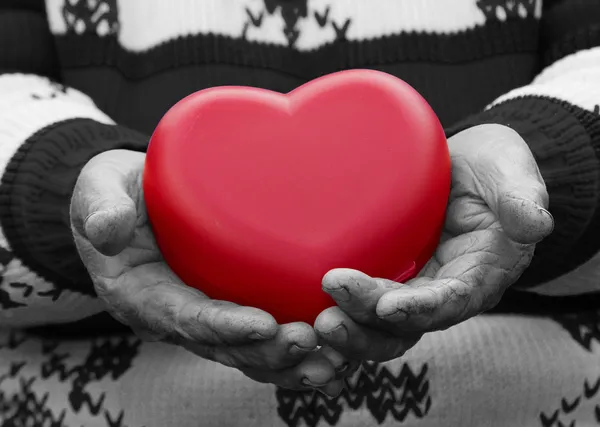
point(37, 188)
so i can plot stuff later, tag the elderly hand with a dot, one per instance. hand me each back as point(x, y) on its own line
point(115, 242)
point(496, 214)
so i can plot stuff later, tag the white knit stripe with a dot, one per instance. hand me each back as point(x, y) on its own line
point(587, 59)
point(27, 104)
point(23, 115)
point(148, 23)
point(575, 79)
point(18, 88)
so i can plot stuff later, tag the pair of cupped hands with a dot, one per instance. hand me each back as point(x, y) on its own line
point(495, 216)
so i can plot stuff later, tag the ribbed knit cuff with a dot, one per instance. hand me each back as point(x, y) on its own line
point(559, 137)
point(36, 191)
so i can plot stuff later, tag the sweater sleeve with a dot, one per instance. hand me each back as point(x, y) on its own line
point(47, 134)
point(559, 118)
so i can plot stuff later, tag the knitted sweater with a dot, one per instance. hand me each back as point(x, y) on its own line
point(83, 76)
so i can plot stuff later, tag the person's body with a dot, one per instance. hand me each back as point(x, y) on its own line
point(83, 84)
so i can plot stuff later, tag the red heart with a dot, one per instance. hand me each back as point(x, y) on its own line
point(254, 195)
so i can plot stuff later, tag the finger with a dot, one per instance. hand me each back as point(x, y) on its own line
point(219, 322)
point(314, 372)
point(333, 389)
point(506, 176)
point(356, 293)
point(343, 366)
point(476, 270)
point(103, 209)
point(152, 298)
point(292, 343)
point(338, 330)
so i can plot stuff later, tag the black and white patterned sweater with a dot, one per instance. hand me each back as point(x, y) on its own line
point(83, 76)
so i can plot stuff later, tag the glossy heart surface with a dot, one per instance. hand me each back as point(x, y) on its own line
point(254, 195)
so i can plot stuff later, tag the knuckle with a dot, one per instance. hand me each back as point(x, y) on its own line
point(205, 320)
point(107, 288)
point(205, 313)
point(112, 299)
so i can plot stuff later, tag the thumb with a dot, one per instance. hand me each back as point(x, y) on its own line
point(522, 219)
point(111, 228)
point(507, 178)
point(102, 209)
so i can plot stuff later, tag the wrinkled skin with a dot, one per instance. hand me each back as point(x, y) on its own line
point(496, 214)
point(115, 242)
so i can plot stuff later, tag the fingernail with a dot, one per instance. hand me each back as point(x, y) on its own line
point(297, 350)
point(339, 333)
point(548, 215)
point(309, 383)
point(338, 293)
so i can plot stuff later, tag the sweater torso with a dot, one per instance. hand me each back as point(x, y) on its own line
point(534, 63)
point(136, 58)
